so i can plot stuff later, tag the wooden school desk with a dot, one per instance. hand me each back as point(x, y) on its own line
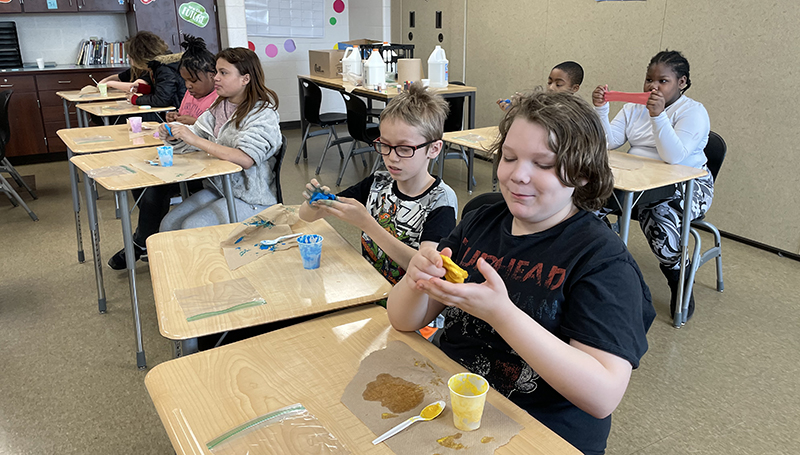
point(192, 258)
point(201, 396)
point(112, 109)
point(121, 185)
point(118, 139)
point(632, 174)
point(75, 96)
point(470, 140)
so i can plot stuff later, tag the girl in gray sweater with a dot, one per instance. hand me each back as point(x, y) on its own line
point(242, 127)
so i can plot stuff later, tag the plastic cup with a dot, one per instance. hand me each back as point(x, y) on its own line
point(467, 396)
point(136, 124)
point(165, 155)
point(310, 250)
point(103, 89)
point(40, 63)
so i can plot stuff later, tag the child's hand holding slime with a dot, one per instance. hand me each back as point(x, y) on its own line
point(453, 273)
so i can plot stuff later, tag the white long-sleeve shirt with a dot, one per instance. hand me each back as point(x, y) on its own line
point(678, 135)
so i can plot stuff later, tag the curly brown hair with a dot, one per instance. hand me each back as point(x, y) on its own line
point(142, 48)
point(575, 135)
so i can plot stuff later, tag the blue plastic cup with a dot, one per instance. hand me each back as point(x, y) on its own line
point(310, 250)
point(165, 155)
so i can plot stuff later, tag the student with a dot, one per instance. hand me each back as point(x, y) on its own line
point(554, 311)
point(673, 128)
point(242, 126)
point(197, 67)
point(153, 77)
point(564, 77)
point(403, 208)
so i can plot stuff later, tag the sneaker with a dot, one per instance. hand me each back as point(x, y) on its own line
point(117, 261)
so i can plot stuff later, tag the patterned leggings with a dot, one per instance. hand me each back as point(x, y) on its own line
point(661, 221)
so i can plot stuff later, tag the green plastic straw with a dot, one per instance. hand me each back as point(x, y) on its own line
point(257, 421)
point(227, 310)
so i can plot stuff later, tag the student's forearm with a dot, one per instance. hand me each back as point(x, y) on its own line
point(112, 78)
point(222, 152)
point(410, 309)
point(124, 86)
point(592, 385)
point(394, 248)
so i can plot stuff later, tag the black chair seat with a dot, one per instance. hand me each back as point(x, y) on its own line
point(332, 118)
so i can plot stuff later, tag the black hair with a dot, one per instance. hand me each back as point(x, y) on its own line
point(676, 61)
point(573, 70)
point(197, 58)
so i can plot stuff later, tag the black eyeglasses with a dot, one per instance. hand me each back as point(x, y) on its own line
point(403, 151)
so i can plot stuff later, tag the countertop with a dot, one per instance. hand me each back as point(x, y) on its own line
point(62, 68)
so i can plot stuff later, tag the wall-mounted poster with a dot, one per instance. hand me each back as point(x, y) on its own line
point(285, 18)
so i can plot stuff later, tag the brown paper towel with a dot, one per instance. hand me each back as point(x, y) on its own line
point(409, 69)
point(399, 360)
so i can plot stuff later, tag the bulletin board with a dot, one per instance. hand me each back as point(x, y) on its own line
point(285, 18)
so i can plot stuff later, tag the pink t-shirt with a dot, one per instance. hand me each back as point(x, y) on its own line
point(193, 107)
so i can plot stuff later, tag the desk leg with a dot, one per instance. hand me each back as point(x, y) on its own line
point(471, 120)
point(116, 205)
point(66, 111)
point(106, 121)
point(184, 347)
point(470, 170)
point(625, 219)
point(303, 122)
point(130, 261)
point(76, 204)
point(79, 115)
point(184, 191)
point(226, 188)
point(682, 305)
point(91, 211)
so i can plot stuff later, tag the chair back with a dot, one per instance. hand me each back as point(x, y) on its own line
point(357, 125)
point(277, 169)
point(455, 119)
point(312, 101)
point(715, 151)
point(5, 128)
point(481, 200)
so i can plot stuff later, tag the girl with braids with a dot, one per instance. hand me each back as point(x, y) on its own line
point(242, 126)
point(673, 128)
point(197, 68)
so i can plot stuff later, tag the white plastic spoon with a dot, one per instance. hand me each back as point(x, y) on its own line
point(429, 412)
point(279, 239)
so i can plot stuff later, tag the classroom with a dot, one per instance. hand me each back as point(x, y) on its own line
point(75, 332)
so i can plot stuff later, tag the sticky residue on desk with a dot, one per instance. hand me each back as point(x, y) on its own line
point(388, 415)
point(450, 442)
point(396, 394)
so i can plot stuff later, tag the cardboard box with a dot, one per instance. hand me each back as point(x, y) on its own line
point(359, 42)
point(325, 63)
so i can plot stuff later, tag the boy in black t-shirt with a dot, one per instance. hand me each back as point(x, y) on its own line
point(554, 312)
point(403, 208)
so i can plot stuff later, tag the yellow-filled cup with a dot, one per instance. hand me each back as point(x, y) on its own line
point(467, 396)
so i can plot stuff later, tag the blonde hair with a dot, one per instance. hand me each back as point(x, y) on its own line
point(141, 49)
point(421, 109)
point(575, 134)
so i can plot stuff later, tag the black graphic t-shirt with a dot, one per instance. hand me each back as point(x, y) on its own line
point(412, 220)
point(577, 280)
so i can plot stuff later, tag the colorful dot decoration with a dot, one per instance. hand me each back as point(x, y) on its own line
point(289, 45)
point(338, 6)
point(251, 46)
point(333, 21)
point(271, 50)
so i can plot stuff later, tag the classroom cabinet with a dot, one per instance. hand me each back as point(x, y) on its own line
point(13, 6)
point(27, 131)
point(64, 6)
point(104, 6)
point(51, 6)
point(171, 19)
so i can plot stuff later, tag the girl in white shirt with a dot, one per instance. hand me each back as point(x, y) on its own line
point(673, 128)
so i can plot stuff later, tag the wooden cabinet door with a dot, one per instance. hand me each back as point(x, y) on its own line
point(192, 20)
point(110, 6)
point(10, 6)
point(159, 17)
point(40, 6)
point(27, 131)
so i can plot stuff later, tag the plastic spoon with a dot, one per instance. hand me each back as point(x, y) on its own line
point(266, 243)
point(429, 412)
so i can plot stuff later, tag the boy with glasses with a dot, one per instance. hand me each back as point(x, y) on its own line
point(404, 208)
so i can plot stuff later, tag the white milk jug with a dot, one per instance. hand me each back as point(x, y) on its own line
point(437, 68)
point(374, 70)
point(351, 65)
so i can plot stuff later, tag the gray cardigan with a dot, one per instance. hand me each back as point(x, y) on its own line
point(259, 137)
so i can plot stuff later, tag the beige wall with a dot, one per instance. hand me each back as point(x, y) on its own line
point(744, 69)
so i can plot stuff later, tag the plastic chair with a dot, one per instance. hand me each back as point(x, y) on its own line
point(454, 122)
point(277, 169)
point(5, 165)
point(715, 151)
point(360, 130)
point(312, 101)
point(481, 200)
